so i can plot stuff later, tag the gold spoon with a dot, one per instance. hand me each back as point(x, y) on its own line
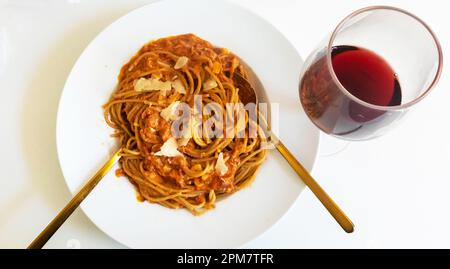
point(247, 94)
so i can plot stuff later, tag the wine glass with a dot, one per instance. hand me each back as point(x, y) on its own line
point(377, 64)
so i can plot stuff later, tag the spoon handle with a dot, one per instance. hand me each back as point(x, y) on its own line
point(65, 213)
point(312, 184)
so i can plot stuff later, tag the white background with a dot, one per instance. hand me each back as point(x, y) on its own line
point(396, 188)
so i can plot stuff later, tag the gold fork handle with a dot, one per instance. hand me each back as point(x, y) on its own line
point(320, 193)
point(65, 213)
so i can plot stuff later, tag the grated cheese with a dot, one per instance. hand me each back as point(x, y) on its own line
point(169, 149)
point(221, 166)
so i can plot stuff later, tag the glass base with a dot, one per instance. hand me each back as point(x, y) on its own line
point(330, 145)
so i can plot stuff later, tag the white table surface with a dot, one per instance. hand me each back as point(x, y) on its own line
point(396, 188)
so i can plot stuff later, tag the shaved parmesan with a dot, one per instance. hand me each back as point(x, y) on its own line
point(152, 84)
point(182, 61)
point(209, 84)
point(169, 113)
point(178, 86)
point(221, 166)
point(169, 149)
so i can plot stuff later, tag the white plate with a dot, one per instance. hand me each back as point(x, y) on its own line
point(84, 141)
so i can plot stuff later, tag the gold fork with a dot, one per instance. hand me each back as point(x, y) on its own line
point(248, 94)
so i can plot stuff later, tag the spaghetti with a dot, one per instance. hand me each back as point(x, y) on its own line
point(180, 172)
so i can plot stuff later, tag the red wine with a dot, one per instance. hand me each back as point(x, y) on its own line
point(365, 75)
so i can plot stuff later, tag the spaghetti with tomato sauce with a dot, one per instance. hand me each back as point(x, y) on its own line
point(192, 171)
